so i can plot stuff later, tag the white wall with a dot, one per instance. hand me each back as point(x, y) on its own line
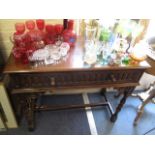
point(145, 81)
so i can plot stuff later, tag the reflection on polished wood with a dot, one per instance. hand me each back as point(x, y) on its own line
point(74, 62)
point(28, 83)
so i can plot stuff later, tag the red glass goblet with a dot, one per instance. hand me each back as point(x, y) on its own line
point(20, 28)
point(50, 34)
point(40, 24)
point(58, 29)
point(49, 29)
point(16, 53)
point(18, 39)
point(30, 24)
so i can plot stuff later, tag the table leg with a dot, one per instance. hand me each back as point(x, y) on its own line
point(126, 93)
point(103, 93)
point(30, 112)
point(18, 104)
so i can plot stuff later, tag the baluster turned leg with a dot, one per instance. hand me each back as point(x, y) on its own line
point(126, 93)
point(103, 93)
point(30, 112)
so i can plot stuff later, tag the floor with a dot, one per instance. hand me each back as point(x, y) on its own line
point(91, 121)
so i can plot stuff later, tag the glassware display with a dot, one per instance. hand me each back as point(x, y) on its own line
point(105, 35)
point(107, 43)
point(18, 36)
point(116, 42)
point(69, 35)
point(64, 48)
point(58, 28)
point(91, 48)
point(18, 39)
point(20, 28)
point(30, 24)
point(90, 33)
point(50, 34)
point(50, 54)
point(36, 36)
point(29, 45)
point(90, 56)
point(17, 52)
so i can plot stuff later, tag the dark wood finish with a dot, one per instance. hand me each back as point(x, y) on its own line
point(70, 106)
point(74, 62)
point(74, 78)
point(127, 92)
point(71, 74)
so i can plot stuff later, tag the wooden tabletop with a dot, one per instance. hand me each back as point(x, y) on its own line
point(74, 62)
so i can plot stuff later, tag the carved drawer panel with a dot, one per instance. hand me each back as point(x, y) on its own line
point(82, 78)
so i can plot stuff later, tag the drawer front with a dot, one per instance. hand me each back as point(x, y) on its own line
point(78, 78)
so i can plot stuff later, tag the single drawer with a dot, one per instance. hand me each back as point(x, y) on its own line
point(76, 78)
